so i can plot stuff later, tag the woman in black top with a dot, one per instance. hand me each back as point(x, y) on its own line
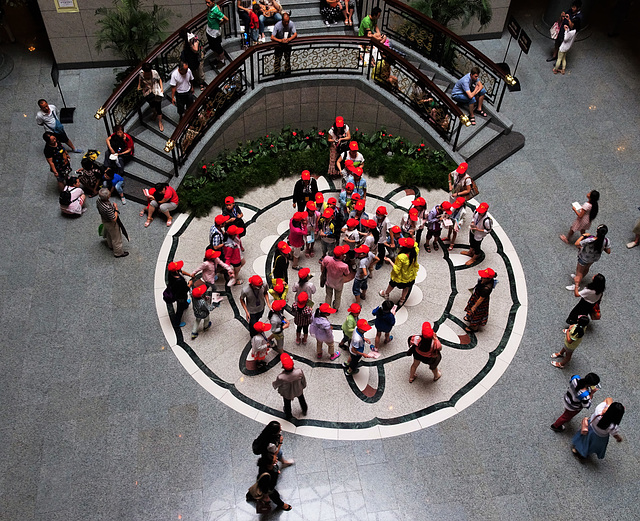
point(477, 308)
point(193, 55)
point(180, 290)
point(305, 190)
point(268, 474)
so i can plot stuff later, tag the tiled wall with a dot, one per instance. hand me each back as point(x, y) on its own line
point(72, 35)
point(498, 22)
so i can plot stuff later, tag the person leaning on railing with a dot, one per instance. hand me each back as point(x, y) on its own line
point(283, 33)
point(369, 26)
point(215, 17)
point(150, 83)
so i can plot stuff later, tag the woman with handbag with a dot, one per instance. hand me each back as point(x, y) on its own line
point(477, 307)
point(263, 491)
point(590, 250)
point(425, 348)
point(150, 83)
point(338, 137)
point(593, 437)
point(193, 54)
point(573, 338)
point(590, 298)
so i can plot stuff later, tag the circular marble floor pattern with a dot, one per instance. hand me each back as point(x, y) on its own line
point(379, 401)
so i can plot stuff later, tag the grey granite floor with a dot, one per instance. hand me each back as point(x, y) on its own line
point(99, 421)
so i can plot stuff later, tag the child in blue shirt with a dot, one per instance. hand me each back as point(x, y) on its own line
point(114, 180)
point(384, 322)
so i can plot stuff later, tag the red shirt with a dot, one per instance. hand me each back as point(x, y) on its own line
point(171, 195)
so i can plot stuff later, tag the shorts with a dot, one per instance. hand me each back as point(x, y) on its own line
point(401, 285)
point(475, 245)
point(296, 252)
point(236, 264)
point(360, 285)
point(583, 263)
point(62, 137)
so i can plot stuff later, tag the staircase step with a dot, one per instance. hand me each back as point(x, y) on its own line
point(468, 133)
point(489, 133)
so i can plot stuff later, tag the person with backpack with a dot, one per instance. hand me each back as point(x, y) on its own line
point(109, 214)
point(72, 199)
point(202, 303)
point(590, 250)
point(573, 338)
point(217, 234)
point(460, 183)
point(578, 397)
point(278, 324)
point(210, 265)
point(481, 226)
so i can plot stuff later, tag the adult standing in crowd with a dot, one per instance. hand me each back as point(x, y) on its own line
point(182, 88)
point(304, 190)
point(404, 271)
point(215, 18)
point(578, 397)
point(593, 436)
point(459, 183)
point(165, 199)
point(481, 226)
point(48, 118)
point(469, 91)
point(150, 83)
point(179, 289)
point(109, 214)
point(290, 384)
point(121, 149)
point(585, 216)
point(284, 32)
point(425, 348)
point(335, 271)
point(297, 236)
point(193, 54)
point(477, 308)
point(253, 299)
point(589, 297)
point(338, 137)
point(57, 159)
point(590, 250)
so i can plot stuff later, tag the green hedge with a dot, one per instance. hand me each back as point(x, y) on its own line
point(261, 162)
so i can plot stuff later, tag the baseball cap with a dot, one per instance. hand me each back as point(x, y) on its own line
point(326, 308)
point(278, 305)
point(446, 206)
point(427, 330)
point(262, 327)
point(328, 212)
point(286, 361)
point(284, 247)
point(363, 324)
point(303, 298)
point(234, 230)
point(354, 308)
point(352, 223)
point(360, 206)
point(482, 208)
point(319, 198)
point(332, 200)
point(339, 121)
point(487, 273)
point(419, 202)
point(279, 286)
point(299, 216)
point(362, 249)
point(353, 145)
point(175, 266)
point(311, 206)
point(381, 210)
point(407, 242)
point(199, 291)
point(255, 280)
point(340, 250)
point(358, 171)
point(413, 214)
point(356, 196)
point(211, 254)
point(229, 200)
point(396, 229)
point(350, 186)
point(462, 168)
point(306, 175)
point(221, 219)
point(304, 273)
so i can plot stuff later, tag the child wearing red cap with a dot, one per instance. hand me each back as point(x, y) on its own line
point(260, 343)
point(278, 324)
point(210, 265)
point(384, 322)
point(304, 284)
point(233, 251)
point(425, 348)
point(344, 199)
point(202, 303)
point(297, 236)
point(353, 155)
point(302, 317)
point(383, 225)
point(281, 258)
point(279, 290)
point(338, 137)
point(327, 231)
point(351, 234)
point(409, 223)
point(357, 346)
point(312, 228)
point(232, 210)
point(391, 244)
point(322, 330)
point(434, 226)
point(420, 204)
point(349, 325)
point(364, 260)
point(457, 217)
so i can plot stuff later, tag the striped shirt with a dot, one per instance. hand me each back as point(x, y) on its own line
point(571, 400)
point(106, 210)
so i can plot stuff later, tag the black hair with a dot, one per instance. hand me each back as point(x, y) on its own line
point(583, 321)
point(46, 136)
point(601, 233)
point(72, 180)
point(118, 127)
point(41, 100)
point(474, 70)
point(387, 306)
point(411, 253)
point(160, 187)
point(376, 11)
point(577, 3)
point(612, 416)
point(146, 67)
point(266, 460)
point(376, 234)
point(272, 312)
point(594, 197)
point(425, 344)
point(589, 380)
point(597, 284)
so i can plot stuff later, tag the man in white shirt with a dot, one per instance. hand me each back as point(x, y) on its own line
point(49, 118)
point(182, 88)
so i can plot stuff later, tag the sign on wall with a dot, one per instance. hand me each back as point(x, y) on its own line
point(66, 6)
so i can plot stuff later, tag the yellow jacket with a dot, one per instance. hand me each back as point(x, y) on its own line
point(404, 272)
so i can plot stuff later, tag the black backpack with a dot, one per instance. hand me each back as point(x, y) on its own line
point(65, 197)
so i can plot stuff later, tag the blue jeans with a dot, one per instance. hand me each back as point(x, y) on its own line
point(119, 187)
point(272, 19)
point(463, 98)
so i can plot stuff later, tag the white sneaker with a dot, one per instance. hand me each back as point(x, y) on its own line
point(632, 244)
point(573, 276)
point(124, 201)
point(571, 287)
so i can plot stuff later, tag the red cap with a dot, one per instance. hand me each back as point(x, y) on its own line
point(462, 168)
point(446, 206)
point(229, 200)
point(381, 210)
point(419, 202)
point(362, 249)
point(175, 266)
point(358, 171)
point(354, 308)
point(284, 247)
point(353, 145)
point(339, 121)
point(359, 206)
point(326, 308)
point(306, 175)
point(348, 163)
point(311, 206)
point(363, 324)
point(262, 327)
point(299, 216)
point(332, 200)
point(350, 186)
point(328, 212)
point(319, 198)
point(413, 214)
point(427, 330)
point(352, 223)
point(482, 208)
point(211, 254)
point(278, 305)
point(221, 219)
point(286, 361)
point(371, 223)
point(304, 273)
point(234, 230)
point(255, 280)
point(303, 298)
point(487, 273)
point(407, 242)
point(396, 229)
point(460, 201)
point(278, 287)
point(356, 197)
point(199, 291)
point(340, 250)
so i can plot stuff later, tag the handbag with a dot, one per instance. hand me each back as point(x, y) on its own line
point(474, 190)
point(595, 312)
point(167, 296)
point(554, 31)
point(157, 91)
point(584, 426)
point(263, 506)
point(263, 502)
point(58, 128)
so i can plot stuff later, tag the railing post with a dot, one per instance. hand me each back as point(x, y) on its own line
point(455, 142)
point(175, 161)
point(504, 87)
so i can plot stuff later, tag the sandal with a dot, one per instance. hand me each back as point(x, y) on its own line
point(412, 379)
point(481, 113)
point(169, 222)
point(286, 507)
point(472, 120)
point(427, 248)
point(557, 355)
point(438, 376)
point(142, 212)
point(401, 302)
point(390, 339)
point(435, 246)
point(147, 223)
point(451, 246)
point(557, 364)
point(160, 126)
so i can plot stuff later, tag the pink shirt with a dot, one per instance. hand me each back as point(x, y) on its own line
point(336, 271)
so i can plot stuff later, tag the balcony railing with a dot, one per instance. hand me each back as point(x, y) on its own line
point(313, 56)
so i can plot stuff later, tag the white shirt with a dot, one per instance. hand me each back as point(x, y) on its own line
point(180, 81)
point(484, 222)
point(569, 36)
point(48, 121)
point(590, 296)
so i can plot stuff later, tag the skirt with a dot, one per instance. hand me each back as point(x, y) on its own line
point(431, 361)
point(480, 316)
point(590, 443)
point(581, 308)
point(333, 157)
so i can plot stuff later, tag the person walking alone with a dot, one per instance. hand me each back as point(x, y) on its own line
point(290, 384)
point(578, 397)
point(109, 214)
